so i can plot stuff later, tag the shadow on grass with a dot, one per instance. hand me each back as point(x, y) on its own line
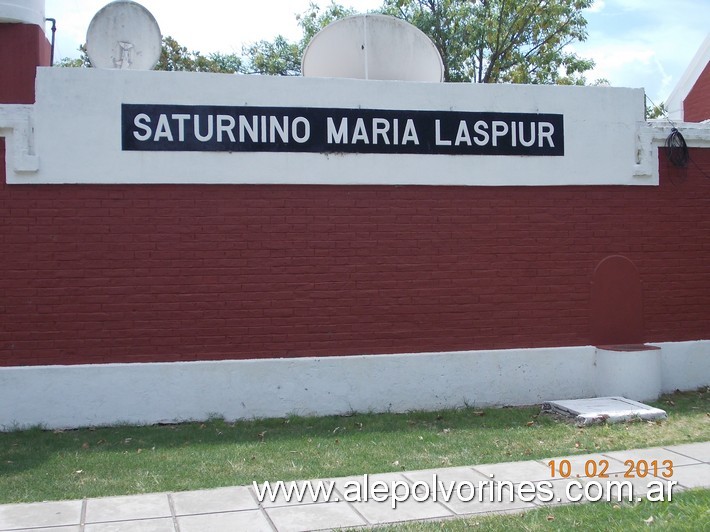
point(30, 448)
point(42, 464)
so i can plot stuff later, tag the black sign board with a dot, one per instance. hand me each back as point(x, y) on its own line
point(323, 130)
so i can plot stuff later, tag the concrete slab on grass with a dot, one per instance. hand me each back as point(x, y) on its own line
point(604, 410)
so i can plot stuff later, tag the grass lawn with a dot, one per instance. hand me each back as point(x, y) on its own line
point(689, 511)
point(40, 465)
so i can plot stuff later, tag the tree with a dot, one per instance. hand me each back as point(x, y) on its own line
point(484, 41)
point(502, 41)
point(174, 57)
point(226, 63)
point(448, 23)
point(79, 62)
point(312, 20)
point(283, 58)
point(656, 111)
point(278, 57)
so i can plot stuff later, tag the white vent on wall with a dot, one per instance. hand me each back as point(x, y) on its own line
point(373, 47)
point(124, 35)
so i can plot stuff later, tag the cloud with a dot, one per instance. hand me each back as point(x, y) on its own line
point(596, 7)
point(667, 83)
point(636, 43)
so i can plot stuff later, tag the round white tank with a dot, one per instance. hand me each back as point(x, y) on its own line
point(372, 47)
point(23, 11)
point(124, 35)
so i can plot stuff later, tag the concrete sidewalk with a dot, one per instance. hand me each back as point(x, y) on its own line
point(237, 508)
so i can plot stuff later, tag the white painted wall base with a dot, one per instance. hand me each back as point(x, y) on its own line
point(632, 374)
point(684, 365)
point(86, 395)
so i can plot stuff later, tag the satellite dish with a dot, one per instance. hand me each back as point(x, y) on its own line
point(372, 47)
point(123, 35)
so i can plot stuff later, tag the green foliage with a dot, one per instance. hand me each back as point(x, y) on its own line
point(449, 24)
point(688, 511)
point(281, 57)
point(277, 58)
point(175, 57)
point(656, 111)
point(81, 62)
point(313, 20)
point(484, 41)
point(502, 41)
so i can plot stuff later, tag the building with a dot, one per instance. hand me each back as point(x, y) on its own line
point(150, 276)
point(690, 100)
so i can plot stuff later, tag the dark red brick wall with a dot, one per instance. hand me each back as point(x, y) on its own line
point(94, 274)
point(23, 47)
point(696, 106)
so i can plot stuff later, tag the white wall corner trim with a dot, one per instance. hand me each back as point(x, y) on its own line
point(684, 365)
point(674, 103)
point(17, 125)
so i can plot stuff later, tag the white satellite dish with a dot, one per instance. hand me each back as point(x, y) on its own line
point(373, 47)
point(123, 35)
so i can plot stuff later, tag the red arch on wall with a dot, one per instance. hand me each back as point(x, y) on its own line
point(617, 303)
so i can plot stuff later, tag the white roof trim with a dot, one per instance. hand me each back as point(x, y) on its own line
point(674, 103)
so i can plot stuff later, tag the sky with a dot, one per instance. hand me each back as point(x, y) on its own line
point(634, 43)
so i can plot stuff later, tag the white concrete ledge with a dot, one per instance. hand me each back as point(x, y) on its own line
point(87, 395)
point(600, 129)
point(684, 365)
point(634, 374)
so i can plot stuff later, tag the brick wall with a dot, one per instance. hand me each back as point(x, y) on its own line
point(696, 106)
point(94, 274)
point(22, 48)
